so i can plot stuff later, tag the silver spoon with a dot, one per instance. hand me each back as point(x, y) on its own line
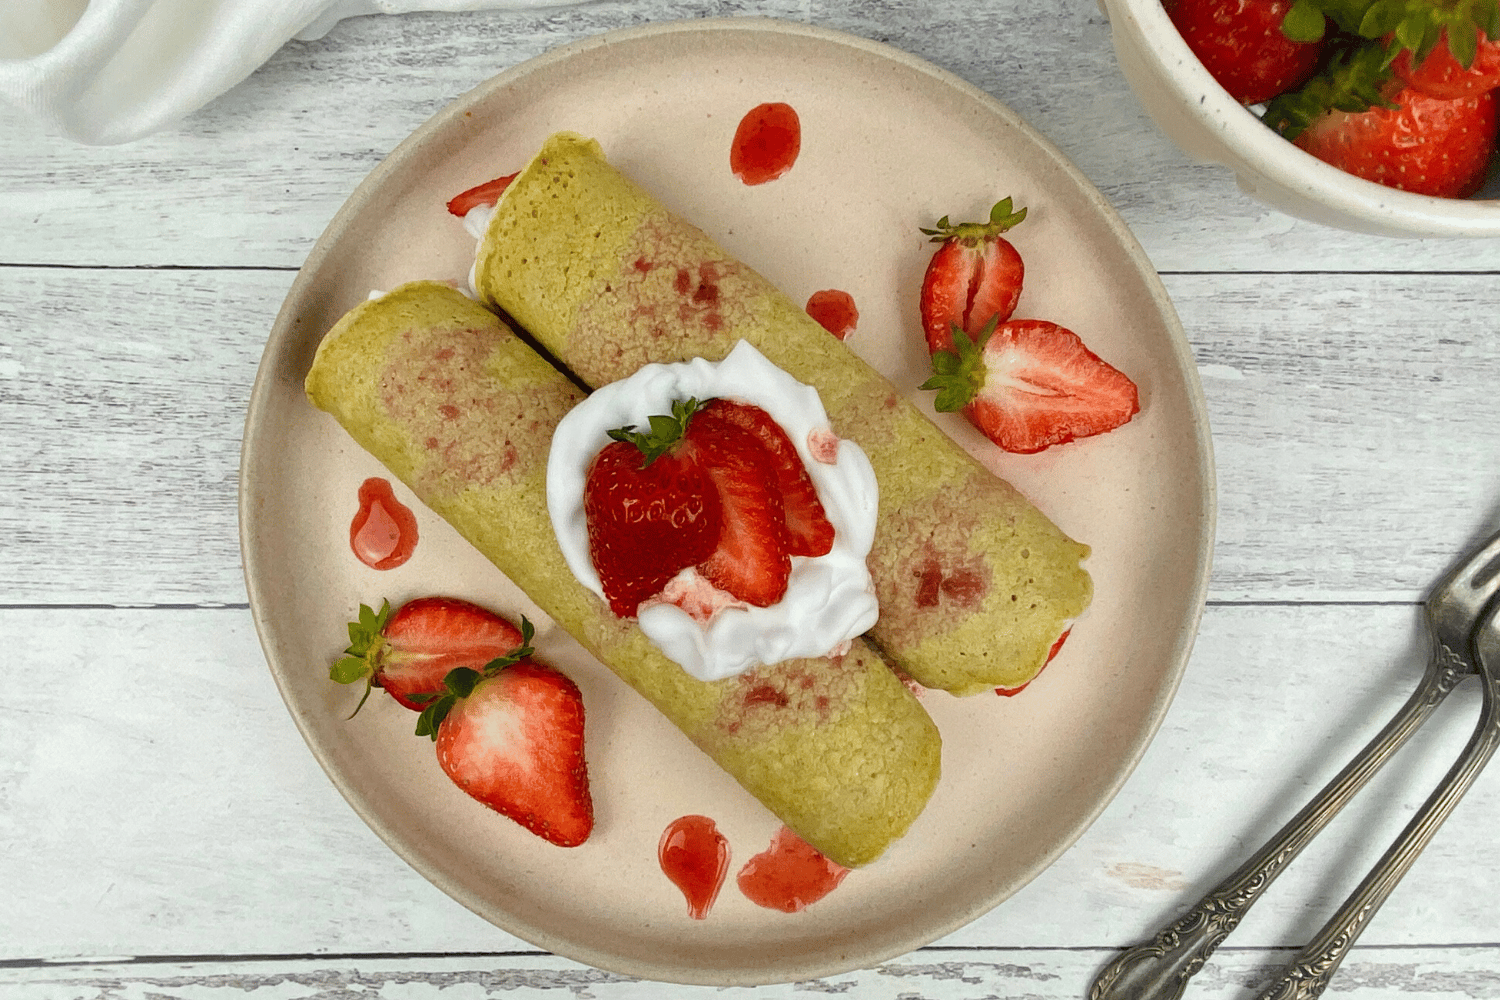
point(1307, 975)
point(1159, 969)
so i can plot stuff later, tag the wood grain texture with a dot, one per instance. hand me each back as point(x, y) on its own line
point(1032, 974)
point(305, 129)
point(164, 832)
point(166, 788)
point(122, 399)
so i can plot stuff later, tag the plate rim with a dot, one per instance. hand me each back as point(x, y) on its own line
point(281, 334)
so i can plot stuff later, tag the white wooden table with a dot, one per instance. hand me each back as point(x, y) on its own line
point(164, 831)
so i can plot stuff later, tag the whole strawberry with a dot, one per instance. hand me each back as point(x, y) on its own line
point(652, 509)
point(1441, 73)
point(1422, 144)
point(1242, 45)
point(408, 653)
point(974, 277)
point(1030, 384)
point(511, 736)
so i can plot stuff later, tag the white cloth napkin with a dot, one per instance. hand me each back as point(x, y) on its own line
point(108, 71)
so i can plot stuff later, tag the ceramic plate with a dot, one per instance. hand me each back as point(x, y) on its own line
point(889, 144)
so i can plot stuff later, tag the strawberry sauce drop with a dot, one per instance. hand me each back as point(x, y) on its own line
point(835, 312)
point(383, 533)
point(766, 143)
point(695, 856)
point(790, 875)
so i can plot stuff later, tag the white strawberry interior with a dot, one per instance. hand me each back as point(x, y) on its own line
point(830, 598)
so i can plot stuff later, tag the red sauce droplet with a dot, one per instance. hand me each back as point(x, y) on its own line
point(383, 533)
point(789, 875)
point(834, 310)
point(695, 856)
point(766, 144)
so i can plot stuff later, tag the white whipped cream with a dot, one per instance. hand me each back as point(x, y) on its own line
point(476, 224)
point(829, 599)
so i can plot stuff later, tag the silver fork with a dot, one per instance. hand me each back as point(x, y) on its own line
point(1159, 969)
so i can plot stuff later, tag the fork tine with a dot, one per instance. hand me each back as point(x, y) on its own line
point(1477, 577)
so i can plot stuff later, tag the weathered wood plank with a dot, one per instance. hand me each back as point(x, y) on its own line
point(253, 179)
point(1335, 416)
point(1035, 974)
point(155, 799)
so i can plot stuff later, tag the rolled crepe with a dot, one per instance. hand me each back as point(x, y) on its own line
point(975, 584)
point(456, 406)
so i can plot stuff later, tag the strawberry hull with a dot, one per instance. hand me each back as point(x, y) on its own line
point(975, 584)
point(462, 411)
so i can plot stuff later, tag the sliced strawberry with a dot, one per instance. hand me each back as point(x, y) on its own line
point(652, 510)
point(1426, 145)
point(1441, 74)
point(487, 193)
point(511, 736)
point(753, 558)
point(809, 531)
point(410, 652)
point(1242, 45)
point(1030, 384)
point(973, 278)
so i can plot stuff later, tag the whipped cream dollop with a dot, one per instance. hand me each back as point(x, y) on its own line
point(829, 599)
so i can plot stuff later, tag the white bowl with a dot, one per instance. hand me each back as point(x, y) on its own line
point(1199, 115)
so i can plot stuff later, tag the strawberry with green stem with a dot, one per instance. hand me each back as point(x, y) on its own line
point(651, 507)
point(510, 735)
point(1358, 118)
point(1031, 384)
point(1244, 47)
point(974, 277)
point(408, 653)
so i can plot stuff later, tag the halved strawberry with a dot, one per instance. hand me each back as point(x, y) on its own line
point(487, 193)
point(410, 652)
point(652, 509)
point(511, 736)
point(1030, 384)
point(973, 278)
point(809, 532)
point(753, 557)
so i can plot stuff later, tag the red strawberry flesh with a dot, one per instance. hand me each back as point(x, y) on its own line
point(408, 653)
point(752, 560)
point(809, 532)
point(1045, 388)
point(515, 743)
point(487, 193)
point(974, 277)
point(647, 521)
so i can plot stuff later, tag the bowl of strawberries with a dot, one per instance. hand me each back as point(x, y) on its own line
point(1377, 116)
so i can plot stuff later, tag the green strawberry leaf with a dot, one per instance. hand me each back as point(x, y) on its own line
point(433, 715)
point(349, 669)
point(1004, 216)
point(460, 682)
point(665, 430)
point(1352, 82)
point(958, 375)
point(1304, 22)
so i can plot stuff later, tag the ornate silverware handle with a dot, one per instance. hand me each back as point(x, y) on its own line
point(1159, 969)
point(1307, 975)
